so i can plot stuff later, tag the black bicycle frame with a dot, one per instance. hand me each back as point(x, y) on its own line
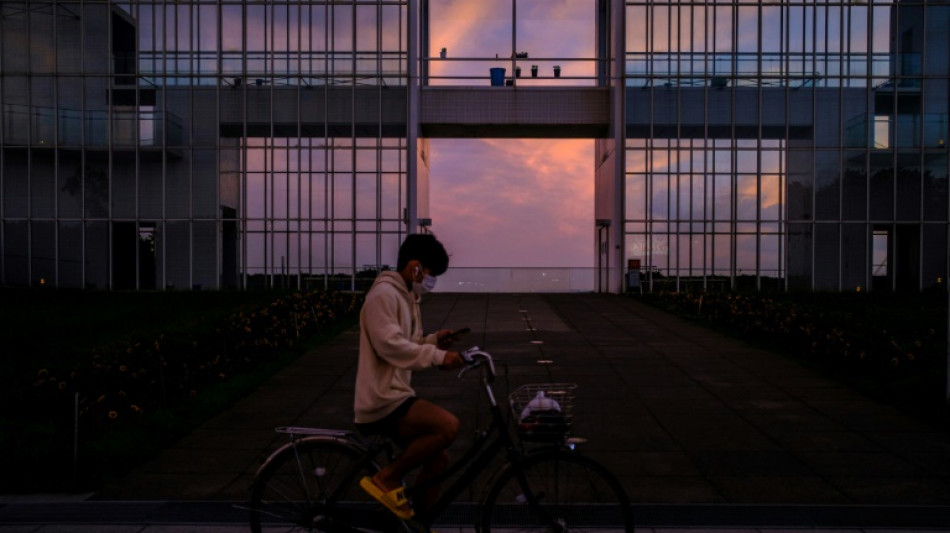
point(479, 455)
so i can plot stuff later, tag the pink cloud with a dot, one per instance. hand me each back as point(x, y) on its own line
point(504, 202)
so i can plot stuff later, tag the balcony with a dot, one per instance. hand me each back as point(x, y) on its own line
point(719, 71)
point(65, 128)
point(266, 69)
point(929, 130)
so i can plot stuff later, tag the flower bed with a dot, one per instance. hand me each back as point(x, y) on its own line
point(124, 382)
point(889, 346)
point(98, 412)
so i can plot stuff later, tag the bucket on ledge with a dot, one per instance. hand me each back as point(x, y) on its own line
point(497, 76)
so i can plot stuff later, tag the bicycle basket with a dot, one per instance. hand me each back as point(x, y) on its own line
point(544, 411)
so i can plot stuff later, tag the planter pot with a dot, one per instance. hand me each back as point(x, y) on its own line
point(557, 72)
point(534, 71)
point(442, 54)
point(517, 72)
point(497, 76)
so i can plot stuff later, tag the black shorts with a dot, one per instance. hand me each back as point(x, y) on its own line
point(388, 426)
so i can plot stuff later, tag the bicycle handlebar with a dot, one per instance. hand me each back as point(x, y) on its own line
point(475, 357)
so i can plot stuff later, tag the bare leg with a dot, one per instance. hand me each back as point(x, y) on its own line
point(429, 429)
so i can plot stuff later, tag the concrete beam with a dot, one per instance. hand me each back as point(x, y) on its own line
point(508, 112)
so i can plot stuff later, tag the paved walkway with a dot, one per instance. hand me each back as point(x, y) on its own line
point(702, 429)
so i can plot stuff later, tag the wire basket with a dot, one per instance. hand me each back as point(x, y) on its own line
point(544, 412)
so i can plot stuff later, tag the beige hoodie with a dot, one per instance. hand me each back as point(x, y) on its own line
point(391, 347)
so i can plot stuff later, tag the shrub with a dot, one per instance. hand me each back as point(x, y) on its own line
point(124, 382)
point(890, 346)
point(128, 400)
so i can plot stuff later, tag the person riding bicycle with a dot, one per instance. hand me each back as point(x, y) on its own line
point(392, 346)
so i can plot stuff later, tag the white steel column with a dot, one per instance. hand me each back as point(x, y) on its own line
point(616, 66)
point(413, 88)
point(618, 81)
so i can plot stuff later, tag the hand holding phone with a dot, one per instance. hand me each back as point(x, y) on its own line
point(446, 340)
point(455, 334)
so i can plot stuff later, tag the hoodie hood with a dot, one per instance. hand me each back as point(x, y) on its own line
point(391, 277)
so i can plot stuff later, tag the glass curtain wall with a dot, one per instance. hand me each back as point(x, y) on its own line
point(787, 144)
point(201, 144)
point(204, 144)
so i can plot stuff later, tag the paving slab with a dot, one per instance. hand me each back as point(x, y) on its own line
point(684, 416)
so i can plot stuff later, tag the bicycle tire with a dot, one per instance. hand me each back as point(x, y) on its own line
point(318, 492)
point(571, 492)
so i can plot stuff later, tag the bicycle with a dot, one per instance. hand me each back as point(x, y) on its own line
point(312, 482)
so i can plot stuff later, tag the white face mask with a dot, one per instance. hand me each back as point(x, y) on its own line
point(425, 286)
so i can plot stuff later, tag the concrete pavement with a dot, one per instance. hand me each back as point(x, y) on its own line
point(703, 430)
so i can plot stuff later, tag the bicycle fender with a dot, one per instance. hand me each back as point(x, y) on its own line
point(509, 465)
point(322, 438)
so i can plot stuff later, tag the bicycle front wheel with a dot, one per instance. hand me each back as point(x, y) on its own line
point(556, 491)
point(313, 485)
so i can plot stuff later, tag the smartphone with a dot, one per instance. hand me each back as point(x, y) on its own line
point(459, 332)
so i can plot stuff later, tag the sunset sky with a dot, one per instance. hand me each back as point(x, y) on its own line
point(513, 202)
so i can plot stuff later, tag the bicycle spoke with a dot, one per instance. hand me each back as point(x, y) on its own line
point(312, 486)
point(557, 493)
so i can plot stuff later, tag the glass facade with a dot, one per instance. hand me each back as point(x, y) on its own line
point(244, 143)
point(798, 145)
point(201, 144)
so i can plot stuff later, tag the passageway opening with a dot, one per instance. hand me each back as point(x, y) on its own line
point(519, 205)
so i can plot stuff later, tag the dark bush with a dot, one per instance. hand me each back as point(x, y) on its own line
point(125, 401)
point(890, 346)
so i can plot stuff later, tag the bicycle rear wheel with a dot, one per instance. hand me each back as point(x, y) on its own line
point(314, 486)
point(556, 491)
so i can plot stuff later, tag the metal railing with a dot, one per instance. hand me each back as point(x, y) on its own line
point(883, 132)
point(524, 71)
point(775, 69)
point(71, 127)
point(287, 68)
point(518, 279)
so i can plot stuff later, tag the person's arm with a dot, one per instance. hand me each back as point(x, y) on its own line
point(381, 318)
